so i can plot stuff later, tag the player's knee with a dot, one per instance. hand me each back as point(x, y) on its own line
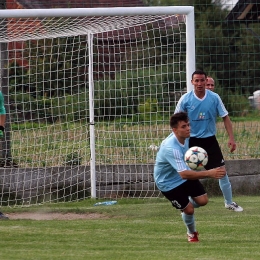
point(202, 201)
point(189, 211)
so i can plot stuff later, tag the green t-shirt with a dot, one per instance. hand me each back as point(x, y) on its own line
point(2, 107)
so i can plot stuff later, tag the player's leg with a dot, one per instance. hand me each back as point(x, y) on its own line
point(215, 159)
point(179, 199)
point(189, 221)
point(197, 197)
point(224, 183)
point(199, 201)
point(195, 204)
point(226, 189)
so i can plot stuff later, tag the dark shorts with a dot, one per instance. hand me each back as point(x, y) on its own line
point(179, 196)
point(211, 146)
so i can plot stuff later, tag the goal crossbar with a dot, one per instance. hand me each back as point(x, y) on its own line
point(112, 11)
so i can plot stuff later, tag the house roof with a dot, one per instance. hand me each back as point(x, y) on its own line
point(37, 4)
point(247, 11)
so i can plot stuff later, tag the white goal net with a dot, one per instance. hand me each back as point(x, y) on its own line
point(88, 94)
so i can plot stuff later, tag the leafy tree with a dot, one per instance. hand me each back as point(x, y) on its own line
point(229, 50)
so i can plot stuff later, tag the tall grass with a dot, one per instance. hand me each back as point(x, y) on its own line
point(116, 143)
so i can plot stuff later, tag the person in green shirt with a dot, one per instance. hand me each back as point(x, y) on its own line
point(2, 115)
point(2, 129)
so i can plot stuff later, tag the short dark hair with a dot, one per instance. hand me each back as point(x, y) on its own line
point(200, 72)
point(176, 118)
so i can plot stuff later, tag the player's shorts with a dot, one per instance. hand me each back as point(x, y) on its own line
point(211, 146)
point(179, 196)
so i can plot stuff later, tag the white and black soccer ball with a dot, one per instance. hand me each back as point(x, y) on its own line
point(196, 158)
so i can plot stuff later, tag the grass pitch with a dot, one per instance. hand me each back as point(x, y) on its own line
point(132, 229)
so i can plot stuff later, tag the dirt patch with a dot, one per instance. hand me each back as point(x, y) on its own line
point(55, 216)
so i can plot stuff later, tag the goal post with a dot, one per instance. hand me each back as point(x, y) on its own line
point(91, 91)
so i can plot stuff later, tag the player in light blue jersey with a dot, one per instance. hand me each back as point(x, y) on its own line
point(203, 107)
point(177, 182)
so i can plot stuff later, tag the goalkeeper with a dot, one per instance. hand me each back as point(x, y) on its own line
point(177, 182)
point(2, 128)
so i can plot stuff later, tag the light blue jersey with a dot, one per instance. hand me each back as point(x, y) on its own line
point(169, 162)
point(202, 113)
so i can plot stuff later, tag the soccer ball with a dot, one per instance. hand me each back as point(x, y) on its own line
point(196, 158)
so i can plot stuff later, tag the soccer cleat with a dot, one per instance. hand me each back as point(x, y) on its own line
point(233, 206)
point(193, 237)
point(2, 216)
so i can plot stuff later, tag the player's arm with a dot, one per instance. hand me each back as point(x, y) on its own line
point(229, 129)
point(222, 111)
point(175, 158)
point(2, 119)
point(216, 173)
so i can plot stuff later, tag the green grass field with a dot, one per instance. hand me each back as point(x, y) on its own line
point(132, 229)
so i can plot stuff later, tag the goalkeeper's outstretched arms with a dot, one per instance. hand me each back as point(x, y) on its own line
point(2, 115)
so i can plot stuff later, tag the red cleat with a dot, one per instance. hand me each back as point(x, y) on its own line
point(193, 237)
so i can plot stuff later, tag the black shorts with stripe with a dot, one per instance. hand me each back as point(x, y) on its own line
point(211, 146)
point(179, 196)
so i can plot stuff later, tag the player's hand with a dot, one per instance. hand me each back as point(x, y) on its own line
point(217, 173)
point(232, 145)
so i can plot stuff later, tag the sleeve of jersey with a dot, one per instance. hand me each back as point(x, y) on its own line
point(222, 111)
point(180, 106)
point(176, 160)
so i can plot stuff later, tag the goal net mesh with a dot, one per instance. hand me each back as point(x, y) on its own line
point(138, 66)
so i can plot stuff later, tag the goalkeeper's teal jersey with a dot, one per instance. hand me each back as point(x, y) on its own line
point(2, 107)
point(169, 162)
point(202, 112)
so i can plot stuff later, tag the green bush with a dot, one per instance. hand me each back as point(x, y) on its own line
point(236, 103)
point(67, 108)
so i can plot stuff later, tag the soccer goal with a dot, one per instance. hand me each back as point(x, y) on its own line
point(88, 94)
